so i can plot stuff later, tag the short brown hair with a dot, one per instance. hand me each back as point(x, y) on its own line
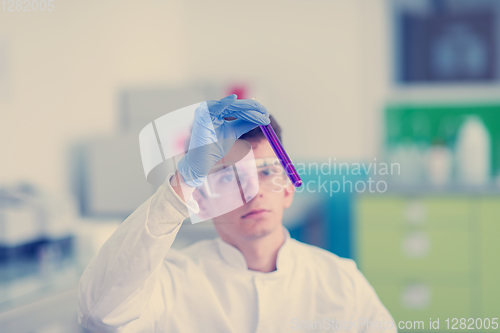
point(257, 135)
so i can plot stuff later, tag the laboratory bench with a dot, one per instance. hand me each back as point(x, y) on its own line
point(37, 304)
point(39, 280)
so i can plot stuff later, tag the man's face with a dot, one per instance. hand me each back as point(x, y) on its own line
point(261, 215)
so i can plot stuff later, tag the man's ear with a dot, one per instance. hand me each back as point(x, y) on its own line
point(200, 198)
point(289, 191)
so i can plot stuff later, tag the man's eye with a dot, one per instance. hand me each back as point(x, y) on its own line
point(226, 178)
point(266, 172)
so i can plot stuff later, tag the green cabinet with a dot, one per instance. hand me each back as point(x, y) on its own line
point(415, 252)
point(431, 256)
point(490, 257)
point(390, 212)
point(420, 301)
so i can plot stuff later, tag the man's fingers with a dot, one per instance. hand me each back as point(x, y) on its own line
point(246, 105)
point(251, 116)
point(216, 107)
point(240, 126)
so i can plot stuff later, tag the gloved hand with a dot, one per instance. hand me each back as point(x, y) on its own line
point(213, 136)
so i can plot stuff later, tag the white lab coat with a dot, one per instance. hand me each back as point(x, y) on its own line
point(137, 284)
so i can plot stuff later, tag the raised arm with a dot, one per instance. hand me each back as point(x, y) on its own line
point(117, 285)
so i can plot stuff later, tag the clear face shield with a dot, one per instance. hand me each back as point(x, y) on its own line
point(231, 183)
point(268, 172)
point(234, 181)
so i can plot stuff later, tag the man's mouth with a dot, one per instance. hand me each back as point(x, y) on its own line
point(255, 213)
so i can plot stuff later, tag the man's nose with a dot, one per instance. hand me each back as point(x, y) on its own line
point(252, 189)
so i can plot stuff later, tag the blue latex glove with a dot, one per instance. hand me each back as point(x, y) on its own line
point(213, 136)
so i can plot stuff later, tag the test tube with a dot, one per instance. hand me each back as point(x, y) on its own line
point(281, 154)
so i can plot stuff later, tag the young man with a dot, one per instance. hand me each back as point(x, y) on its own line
point(254, 278)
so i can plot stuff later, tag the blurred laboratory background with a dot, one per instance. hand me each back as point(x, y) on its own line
point(409, 82)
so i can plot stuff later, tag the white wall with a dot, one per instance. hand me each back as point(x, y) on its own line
point(65, 71)
point(309, 52)
point(66, 68)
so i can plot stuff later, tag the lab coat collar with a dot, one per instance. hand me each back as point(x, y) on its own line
point(233, 257)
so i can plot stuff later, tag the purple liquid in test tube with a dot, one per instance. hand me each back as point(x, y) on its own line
point(282, 155)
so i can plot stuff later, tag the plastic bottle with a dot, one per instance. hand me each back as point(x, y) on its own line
point(473, 153)
point(439, 164)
